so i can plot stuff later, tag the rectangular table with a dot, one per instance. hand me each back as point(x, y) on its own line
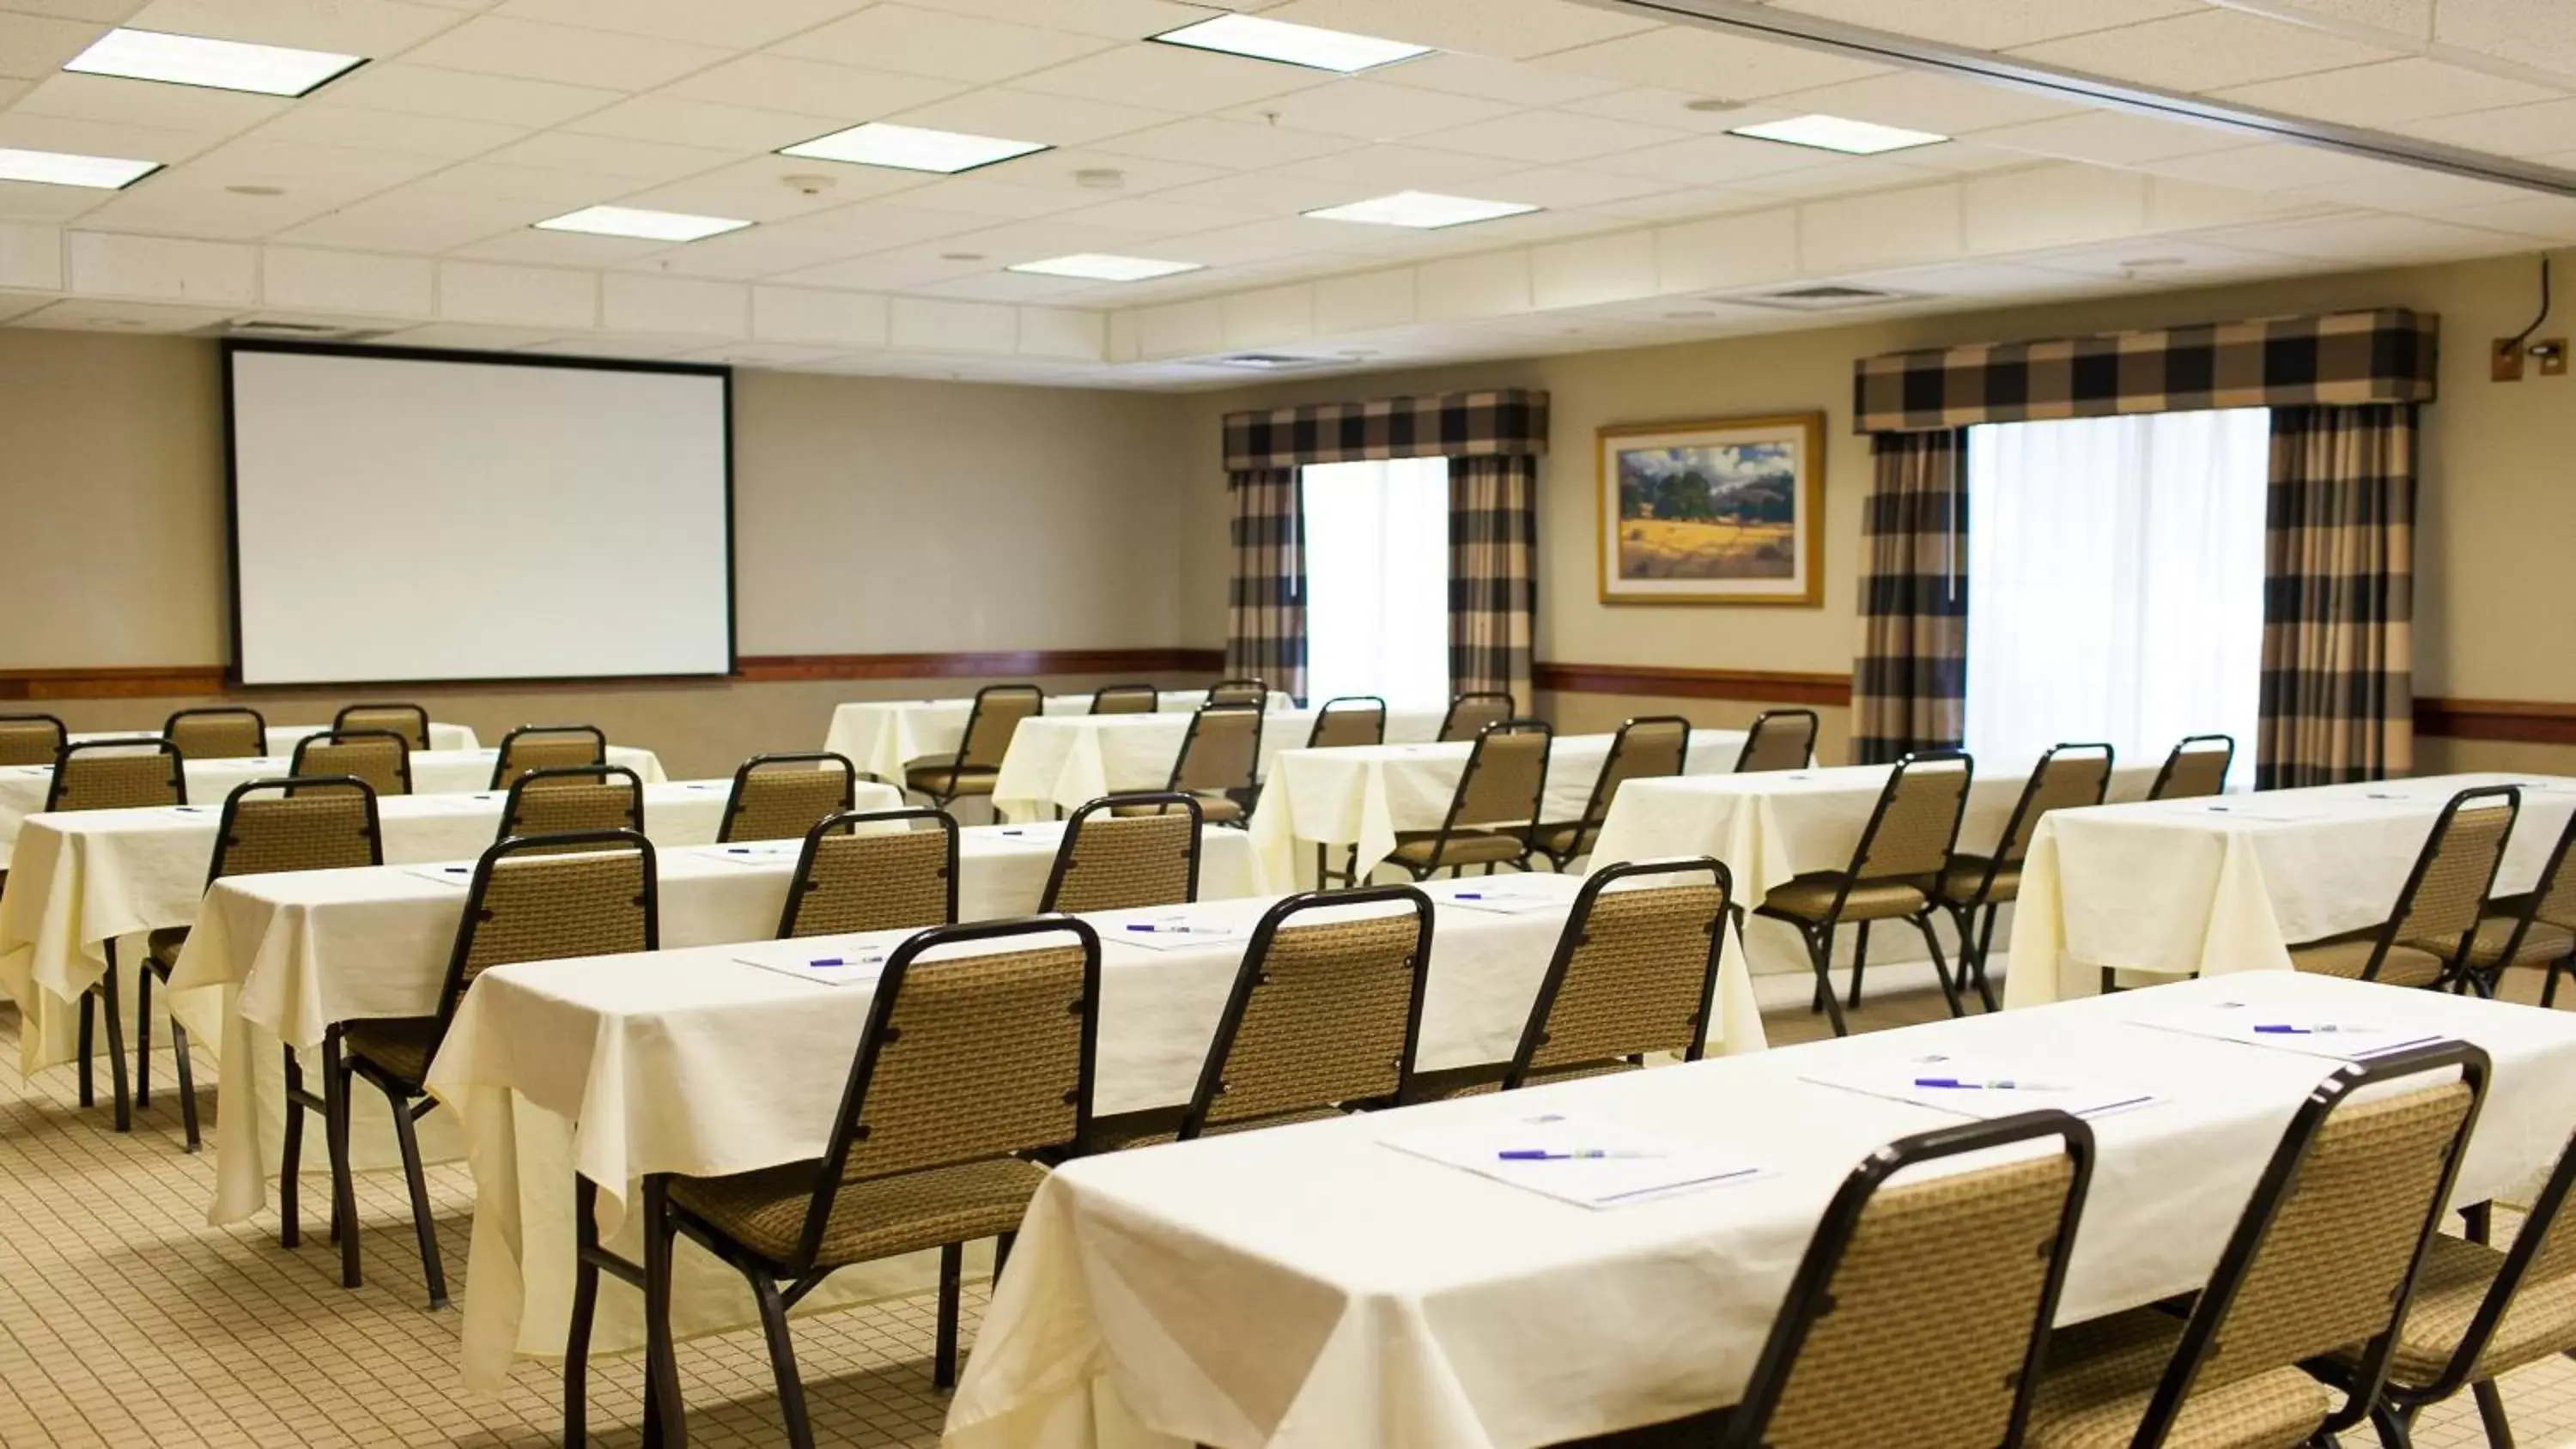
point(693, 1061)
point(282, 739)
point(1313, 1288)
point(1065, 761)
point(881, 736)
point(2178, 887)
point(1362, 795)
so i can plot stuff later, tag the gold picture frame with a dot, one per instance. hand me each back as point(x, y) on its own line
point(1691, 512)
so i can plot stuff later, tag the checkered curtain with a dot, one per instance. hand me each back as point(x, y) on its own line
point(1265, 633)
point(2339, 597)
point(1910, 683)
point(1493, 572)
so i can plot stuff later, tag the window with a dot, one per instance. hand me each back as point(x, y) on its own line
point(1377, 581)
point(2115, 570)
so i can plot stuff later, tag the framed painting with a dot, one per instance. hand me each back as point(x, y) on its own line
point(1725, 511)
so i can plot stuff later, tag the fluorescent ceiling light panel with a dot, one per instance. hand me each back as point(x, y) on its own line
point(669, 226)
point(1424, 209)
point(62, 168)
point(195, 60)
point(1834, 133)
point(1102, 267)
point(1307, 45)
point(912, 148)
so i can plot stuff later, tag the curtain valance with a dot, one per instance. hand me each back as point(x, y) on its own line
point(1504, 421)
point(2338, 359)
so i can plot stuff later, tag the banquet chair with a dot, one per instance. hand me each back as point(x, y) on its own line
point(1254, 692)
point(1494, 810)
point(2322, 1258)
point(407, 720)
point(779, 797)
point(303, 822)
point(547, 747)
point(31, 739)
point(972, 1071)
point(1634, 972)
point(1126, 699)
point(1471, 712)
point(380, 757)
point(2426, 939)
point(1122, 852)
point(990, 723)
point(1219, 762)
point(873, 870)
point(217, 732)
point(1903, 849)
point(1353, 719)
point(2198, 766)
point(1780, 739)
point(2537, 929)
point(1646, 747)
point(573, 797)
point(127, 773)
point(536, 898)
point(2067, 777)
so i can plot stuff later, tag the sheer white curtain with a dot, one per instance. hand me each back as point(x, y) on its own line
point(2115, 583)
point(1377, 580)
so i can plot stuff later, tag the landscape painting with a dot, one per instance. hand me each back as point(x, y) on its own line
point(1724, 511)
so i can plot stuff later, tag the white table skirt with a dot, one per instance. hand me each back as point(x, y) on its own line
point(1064, 762)
point(1312, 1288)
point(2178, 887)
point(695, 1062)
point(881, 736)
point(1363, 795)
point(282, 739)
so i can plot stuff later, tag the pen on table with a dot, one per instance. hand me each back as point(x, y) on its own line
point(737, 850)
point(2286, 1029)
point(1579, 1154)
point(2003, 1084)
point(827, 961)
point(457, 869)
point(1168, 930)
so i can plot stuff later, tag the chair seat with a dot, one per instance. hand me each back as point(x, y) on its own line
point(400, 1045)
point(1213, 810)
point(162, 947)
point(1965, 873)
point(1566, 839)
point(2450, 1288)
point(950, 780)
point(1466, 847)
point(1808, 897)
point(876, 1218)
point(2093, 1394)
point(2348, 956)
point(2542, 944)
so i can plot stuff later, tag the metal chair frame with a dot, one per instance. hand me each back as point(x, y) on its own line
point(1596, 806)
point(1242, 689)
point(418, 739)
point(966, 740)
point(1241, 794)
point(821, 759)
point(801, 884)
point(103, 995)
point(1107, 693)
point(1449, 721)
point(1571, 940)
point(2183, 746)
point(259, 724)
point(2560, 855)
point(1449, 827)
point(1064, 850)
point(501, 775)
point(1770, 719)
point(1974, 944)
point(1347, 704)
point(336, 736)
point(600, 774)
point(2455, 972)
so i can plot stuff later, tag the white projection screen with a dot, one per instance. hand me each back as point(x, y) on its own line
point(412, 517)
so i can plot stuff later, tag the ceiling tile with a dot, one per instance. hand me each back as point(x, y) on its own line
point(927, 42)
point(347, 27)
point(1709, 63)
point(2389, 91)
point(444, 137)
point(2509, 131)
point(25, 128)
point(761, 251)
point(2114, 138)
point(146, 103)
point(1369, 110)
point(2526, 32)
point(1158, 218)
point(91, 315)
point(2204, 51)
point(2369, 237)
point(1225, 145)
point(418, 220)
point(998, 195)
point(2053, 206)
point(759, 189)
point(1026, 116)
point(1562, 187)
point(423, 90)
point(1518, 82)
point(1706, 160)
point(1686, 201)
point(1265, 240)
point(2269, 166)
point(1137, 176)
point(1836, 176)
point(735, 23)
point(643, 162)
point(2412, 189)
point(2412, 19)
point(1367, 171)
point(24, 201)
point(105, 12)
point(704, 123)
point(1919, 101)
point(1176, 77)
point(547, 186)
point(498, 46)
point(1549, 137)
point(2550, 218)
point(35, 46)
point(2160, 259)
point(1009, 287)
point(880, 225)
point(1503, 29)
point(558, 248)
point(1272, 193)
point(816, 87)
point(1990, 24)
point(1108, 19)
point(904, 267)
point(293, 165)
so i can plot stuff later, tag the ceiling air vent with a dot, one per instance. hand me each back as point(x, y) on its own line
point(1268, 361)
point(1818, 297)
point(301, 331)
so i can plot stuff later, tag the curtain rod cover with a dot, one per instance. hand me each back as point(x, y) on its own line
point(1455, 424)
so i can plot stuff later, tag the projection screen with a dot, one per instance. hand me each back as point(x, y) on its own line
point(406, 516)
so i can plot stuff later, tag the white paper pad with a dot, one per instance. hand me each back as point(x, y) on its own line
point(1490, 895)
point(826, 968)
point(763, 852)
point(459, 876)
point(2271, 814)
point(1638, 1167)
point(2344, 1036)
point(1175, 932)
point(1988, 1088)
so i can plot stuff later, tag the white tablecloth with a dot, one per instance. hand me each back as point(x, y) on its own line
point(282, 739)
point(881, 736)
point(1363, 795)
point(1314, 1287)
point(1069, 760)
point(82, 878)
point(693, 1061)
point(2177, 887)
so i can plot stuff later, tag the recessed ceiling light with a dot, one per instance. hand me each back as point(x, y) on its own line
point(670, 226)
point(1101, 267)
point(62, 168)
point(1834, 133)
point(912, 148)
point(1306, 45)
point(1425, 209)
point(227, 65)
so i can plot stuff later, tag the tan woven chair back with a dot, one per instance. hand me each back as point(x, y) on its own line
point(1326, 1021)
point(1781, 739)
point(603, 797)
point(30, 740)
point(1506, 778)
point(218, 735)
point(1122, 862)
point(998, 712)
point(2072, 777)
point(1471, 714)
point(985, 1059)
point(1918, 818)
point(94, 779)
point(547, 751)
point(1635, 982)
point(1644, 749)
point(1220, 754)
point(1934, 1302)
point(540, 907)
point(879, 881)
point(2196, 769)
point(2328, 1273)
point(407, 720)
point(2459, 866)
point(378, 757)
point(1254, 692)
point(322, 825)
point(1126, 699)
point(782, 801)
point(1343, 723)
point(2557, 903)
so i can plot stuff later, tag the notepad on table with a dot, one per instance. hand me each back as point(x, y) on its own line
point(1577, 1159)
point(765, 852)
point(829, 968)
point(2343, 1035)
point(1981, 1087)
point(1175, 932)
point(1492, 895)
